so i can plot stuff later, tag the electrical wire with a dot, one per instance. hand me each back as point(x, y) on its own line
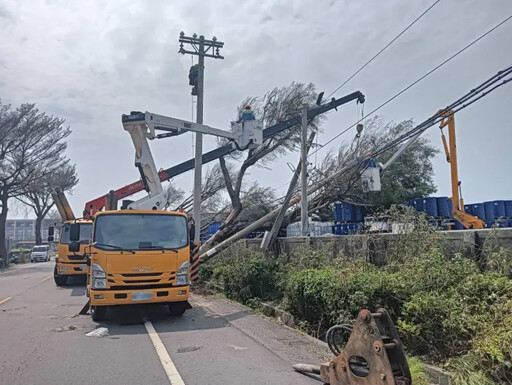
point(414, 83)
point(382, 49)
point(471, 97)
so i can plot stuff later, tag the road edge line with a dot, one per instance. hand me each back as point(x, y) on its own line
point(45, 279)
point(163, 355)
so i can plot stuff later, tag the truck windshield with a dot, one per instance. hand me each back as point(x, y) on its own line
point(85, 233)
point(40, 248)
point(140, 231)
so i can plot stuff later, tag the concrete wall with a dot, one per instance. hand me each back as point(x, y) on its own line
point(376, 247)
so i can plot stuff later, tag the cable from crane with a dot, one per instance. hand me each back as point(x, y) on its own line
point(416, 81)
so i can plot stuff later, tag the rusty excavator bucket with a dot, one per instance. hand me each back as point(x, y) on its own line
point(373, 355)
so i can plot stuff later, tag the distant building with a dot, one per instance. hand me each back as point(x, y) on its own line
point(25, 229)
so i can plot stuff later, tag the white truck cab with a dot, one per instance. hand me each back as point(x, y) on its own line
point(40, 253)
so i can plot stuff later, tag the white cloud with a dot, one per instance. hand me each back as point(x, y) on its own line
point(89, 62)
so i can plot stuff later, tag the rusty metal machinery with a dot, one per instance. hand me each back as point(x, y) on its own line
point(373, 354)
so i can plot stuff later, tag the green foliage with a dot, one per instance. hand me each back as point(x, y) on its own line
point(247, 275)
point(411, 175)
point(418, 374)
point(205, 272)
point(256, 278)
point(446, 309)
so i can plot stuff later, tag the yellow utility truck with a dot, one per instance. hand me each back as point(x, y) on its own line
point(141, 253)
point(68, 264)
point(136, 256)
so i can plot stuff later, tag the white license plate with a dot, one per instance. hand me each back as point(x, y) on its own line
point(141, 296)
point(83, 267)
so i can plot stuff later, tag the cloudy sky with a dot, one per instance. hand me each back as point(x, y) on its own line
point(91, 61)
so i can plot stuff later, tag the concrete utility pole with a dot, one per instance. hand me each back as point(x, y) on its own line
point(304, 173)
point(201, 47)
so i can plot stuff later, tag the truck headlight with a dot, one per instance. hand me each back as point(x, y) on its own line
point(182, 274)
point(99, 278)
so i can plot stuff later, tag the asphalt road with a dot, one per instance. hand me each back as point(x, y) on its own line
point(43, 341)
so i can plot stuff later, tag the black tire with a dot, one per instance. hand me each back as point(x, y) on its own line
point(60, 280)
point(176, 309)
point(98, 313)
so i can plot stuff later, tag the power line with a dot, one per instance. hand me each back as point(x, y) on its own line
point(383, 49)
point(471, 97)
point(414, 83)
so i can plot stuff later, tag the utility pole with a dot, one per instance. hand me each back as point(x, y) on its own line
point(201, 47)
point(304, 172)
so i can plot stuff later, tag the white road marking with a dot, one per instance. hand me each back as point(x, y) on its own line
point(165, 359)
point(45, 279)
point(5, 300)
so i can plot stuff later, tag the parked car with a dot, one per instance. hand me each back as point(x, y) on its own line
point(40, 253)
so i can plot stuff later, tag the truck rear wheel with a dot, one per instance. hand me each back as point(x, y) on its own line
point(98, 313)
point(60, 280)
point(178, 308)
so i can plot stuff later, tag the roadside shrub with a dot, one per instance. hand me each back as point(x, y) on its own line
point(418, 374)
point(205, 272)
point(250, 279)
point(310, 294)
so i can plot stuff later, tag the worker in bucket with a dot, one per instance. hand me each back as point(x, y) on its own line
point(247, 114)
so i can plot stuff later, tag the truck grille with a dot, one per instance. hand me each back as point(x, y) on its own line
point(139, 281)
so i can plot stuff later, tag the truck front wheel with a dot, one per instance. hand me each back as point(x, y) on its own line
point(178, 308)
point(98, 313)
point(60, 280)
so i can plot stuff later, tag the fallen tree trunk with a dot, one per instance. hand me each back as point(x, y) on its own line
point(270, 216)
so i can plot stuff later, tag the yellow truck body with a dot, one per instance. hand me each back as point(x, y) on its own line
point(68, 263)
point(136, 257)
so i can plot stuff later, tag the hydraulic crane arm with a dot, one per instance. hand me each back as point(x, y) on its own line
point(97, 204)
point(467, 220)
point(157, 196)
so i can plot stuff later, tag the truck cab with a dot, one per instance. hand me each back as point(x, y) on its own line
point(71, 263)
point(137, 256)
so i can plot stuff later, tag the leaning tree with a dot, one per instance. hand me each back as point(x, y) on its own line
point(275, 106)
point(31, 149)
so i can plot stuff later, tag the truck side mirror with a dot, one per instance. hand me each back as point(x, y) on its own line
point(51, 231)
point(192, 232)
point(74, 247)
point(74, 232)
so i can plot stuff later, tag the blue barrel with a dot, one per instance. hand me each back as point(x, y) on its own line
point(338, 229)
point(509, 222)
point(343, 212)
point(418, 204)
point(352, 228)
point(489, 224)
point(213, 227)
point(410, 202)
point(442, 207)
point(508, 208)
point(489, 210)
point(458, 225)
point(430, 206)
point(450, 207)
point(358, 213)
point(478, 209)
point(468, 209)
point(499, 209)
